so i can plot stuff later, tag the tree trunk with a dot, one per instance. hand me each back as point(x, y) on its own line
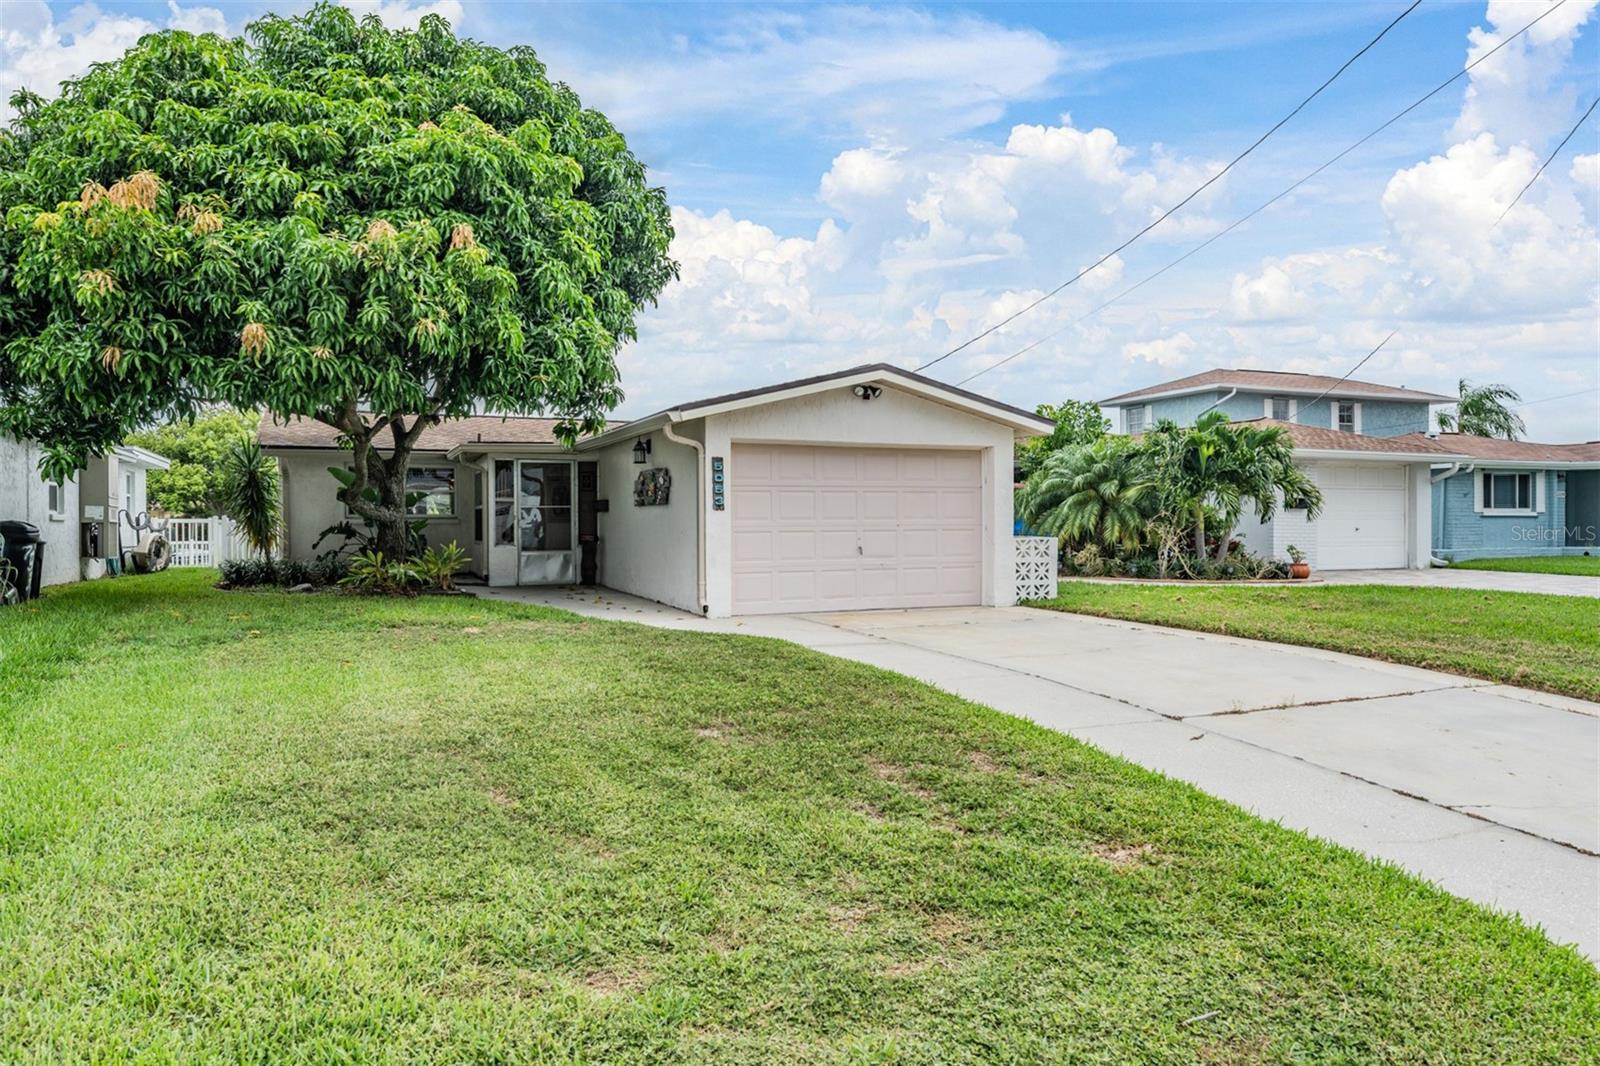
point(393, 533)
point(387, 476)
point(1199, 532)
point(1224, 537)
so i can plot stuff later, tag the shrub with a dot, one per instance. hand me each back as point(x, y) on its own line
point(438, 566)
point(371, 572)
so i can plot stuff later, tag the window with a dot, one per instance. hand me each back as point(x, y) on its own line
point(437, 484)
point(1347, 420)
point(438, 487)
point(1507, 492)
point(505, 502)
point(544, 507)
point(1281, 408)
point(56, 500)
point(1136, 419)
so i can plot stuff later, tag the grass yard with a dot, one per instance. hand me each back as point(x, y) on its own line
point(1527, 639)
point(264, 827)
point(1581, 565)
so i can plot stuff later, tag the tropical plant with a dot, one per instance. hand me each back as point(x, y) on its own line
point(438, 565)
point(1484, 411)
point(1089, 494)
point(1295, 554)
point(1077, 422)
point(195, 447)
point(373, 228)
point(372, 572)
point(248, 493)
point(355, 539)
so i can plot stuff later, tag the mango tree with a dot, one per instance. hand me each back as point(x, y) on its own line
point(328, 219)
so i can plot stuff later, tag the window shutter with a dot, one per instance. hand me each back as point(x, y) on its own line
point(1538, 491)
point(1358, 417)
point(1479, 483)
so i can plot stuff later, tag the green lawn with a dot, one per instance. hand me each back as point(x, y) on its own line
point(255, 826)
point(1582, 565)
point(1527, 639)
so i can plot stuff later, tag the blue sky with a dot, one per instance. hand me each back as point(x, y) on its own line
point(857, 184)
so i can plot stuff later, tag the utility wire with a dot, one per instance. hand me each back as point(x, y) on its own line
point(1547, 399)
point(1323, 394)
point(1548, 160)
point(1246, 218)
point(1179, 205)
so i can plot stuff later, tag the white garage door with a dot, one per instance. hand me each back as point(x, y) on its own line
point(834, 529)
point(1363, 523)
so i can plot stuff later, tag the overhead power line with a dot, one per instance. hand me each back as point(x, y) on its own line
point(1563, 396)
point(1548, 160)
point(1435, 91)
point(1323, 394)
point(1180, 204)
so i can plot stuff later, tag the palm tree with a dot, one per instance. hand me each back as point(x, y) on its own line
point(1484, 411)
point(248, 492)
point(1255, 465)
point(1089, 494)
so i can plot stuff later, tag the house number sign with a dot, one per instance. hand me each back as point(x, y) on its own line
point(719, 485)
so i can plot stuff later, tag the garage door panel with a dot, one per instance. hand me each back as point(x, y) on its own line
point(1363, 522)
point(820, 528)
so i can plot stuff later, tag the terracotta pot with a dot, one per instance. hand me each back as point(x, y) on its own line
point(1299, 571)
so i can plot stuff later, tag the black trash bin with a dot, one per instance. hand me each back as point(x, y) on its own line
point(24, 550)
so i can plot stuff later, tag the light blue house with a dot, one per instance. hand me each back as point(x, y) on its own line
point(1394, 493)
point(1516, 498)
point(1364, 444)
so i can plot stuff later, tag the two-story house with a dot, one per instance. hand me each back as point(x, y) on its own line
point(1366, 446)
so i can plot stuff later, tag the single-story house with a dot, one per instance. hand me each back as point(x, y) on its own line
point(1364, 444)
point(1507, 498)
point(865, 488)
point(111, 485)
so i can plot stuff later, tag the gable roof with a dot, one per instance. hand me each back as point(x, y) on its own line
point(1321, 439)
point(1515, 451)
point(1025, 423)
point(1278, 381)
point(488, 429)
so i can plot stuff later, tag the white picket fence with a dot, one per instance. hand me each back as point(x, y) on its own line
point(205, 541)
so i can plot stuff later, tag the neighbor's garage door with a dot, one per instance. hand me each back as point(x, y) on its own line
point(1363, 523)
point(833, 529)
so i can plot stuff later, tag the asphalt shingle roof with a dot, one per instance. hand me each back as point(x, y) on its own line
point(488, 429)
point(1280, 381)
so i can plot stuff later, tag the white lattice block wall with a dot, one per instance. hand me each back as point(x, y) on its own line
point(1036, 567)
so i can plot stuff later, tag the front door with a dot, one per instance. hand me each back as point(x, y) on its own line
point(546, 533)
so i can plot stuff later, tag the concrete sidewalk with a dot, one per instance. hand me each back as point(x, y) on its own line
point(1450, 578)
point(1491, 792)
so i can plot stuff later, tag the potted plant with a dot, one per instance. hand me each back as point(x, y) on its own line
point(1298, 567)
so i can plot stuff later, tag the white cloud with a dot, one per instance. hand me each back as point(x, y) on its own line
point(1519, 95)
point(894, 74)
point(1586, 171)
point(1169, 353)
point(861, 178)
point(403, 14)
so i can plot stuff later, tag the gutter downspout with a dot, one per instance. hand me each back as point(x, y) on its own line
point(1455, 468)
point(1231, 394)
point(700, 514)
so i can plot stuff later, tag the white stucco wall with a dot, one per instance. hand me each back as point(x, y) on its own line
point(649, 551)
point(310, 506)
point(894, 419)
point(23, 497)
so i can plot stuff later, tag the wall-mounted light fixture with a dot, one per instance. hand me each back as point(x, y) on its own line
point(868, 392)
point(641, 451)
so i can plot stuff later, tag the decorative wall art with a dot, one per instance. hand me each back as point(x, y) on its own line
point(652, 488)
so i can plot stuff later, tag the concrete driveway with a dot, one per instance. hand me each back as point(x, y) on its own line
point(1489, 791)
point(1445, 578)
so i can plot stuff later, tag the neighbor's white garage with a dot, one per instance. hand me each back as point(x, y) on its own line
point(842, 528)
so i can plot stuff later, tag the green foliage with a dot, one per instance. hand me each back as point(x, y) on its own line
point(354, 538)
point(190, 488)
point(371, 572)
point(1089, 494)
point(1162, 492)
point(1484, 411)
point(283, 573)
point(326, 218)
point(248, 493)
point(437, 566)
point(1077, 422)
